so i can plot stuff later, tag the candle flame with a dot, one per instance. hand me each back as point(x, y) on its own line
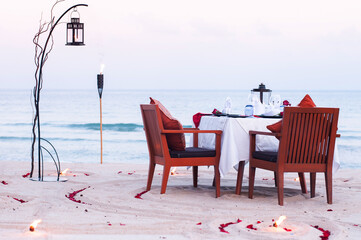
point(297, 179)
point(63, 172)
point(34, 224)
point(173, 171)
point(102, 66)
point(279, 221)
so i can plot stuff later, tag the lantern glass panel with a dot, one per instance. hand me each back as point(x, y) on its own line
point(75, 32)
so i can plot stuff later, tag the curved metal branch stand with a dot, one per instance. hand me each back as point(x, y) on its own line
point(36, 137)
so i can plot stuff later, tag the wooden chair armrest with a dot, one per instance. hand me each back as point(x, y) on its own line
point(264, 133)
point(218, 132)
point(190, 128)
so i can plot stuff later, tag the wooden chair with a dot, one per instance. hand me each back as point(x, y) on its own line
point(307, 143)
point(159, 152)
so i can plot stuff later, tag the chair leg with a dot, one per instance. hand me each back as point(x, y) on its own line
point(252, 173)
point(166, 171)
point(328, 179)
point(280, 180)
point(239, 177)
point(217, 180)
point(313, 183)
point(275, 177)
point(195, 176)
point(302, 178)
point(150, 175)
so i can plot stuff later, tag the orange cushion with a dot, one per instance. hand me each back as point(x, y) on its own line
point(176, 141)
point(307, 102)
point(276, 127)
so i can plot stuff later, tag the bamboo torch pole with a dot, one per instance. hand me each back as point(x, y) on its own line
point(100, 78)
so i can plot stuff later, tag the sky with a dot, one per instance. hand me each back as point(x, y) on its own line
point(189, 44)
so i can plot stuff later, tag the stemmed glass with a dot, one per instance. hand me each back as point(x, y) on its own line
point(275, 101)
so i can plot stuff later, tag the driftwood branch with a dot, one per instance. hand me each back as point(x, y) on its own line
point(45, 28)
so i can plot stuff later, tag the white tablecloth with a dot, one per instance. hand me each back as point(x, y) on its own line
point(235, 139)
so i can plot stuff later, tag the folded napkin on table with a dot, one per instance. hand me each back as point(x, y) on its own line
point(197, 118)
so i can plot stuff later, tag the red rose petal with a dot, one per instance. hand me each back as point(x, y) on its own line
point(19, 200)
point(329, 210)
point(258, 222)
point(287, 229)
point(325, 233)
point(71, 196)
point(265, 179)
point(199, 223)
point(139, 195)
point(345, 181)
point(119, 172)
point(250, 226)
point(5, 183)
point(121, 224)
point(86, 174)
point(224, 225)
point(129, 173)
point(25, 175)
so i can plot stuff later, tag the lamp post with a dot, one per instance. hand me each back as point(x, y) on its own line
point(75, 36)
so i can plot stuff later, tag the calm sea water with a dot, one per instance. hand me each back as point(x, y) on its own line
point(70, 121)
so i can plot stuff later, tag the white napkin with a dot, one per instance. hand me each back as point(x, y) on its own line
point(227, 106)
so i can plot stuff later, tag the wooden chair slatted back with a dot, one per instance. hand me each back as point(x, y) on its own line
point(153, 126)
point(308, 135)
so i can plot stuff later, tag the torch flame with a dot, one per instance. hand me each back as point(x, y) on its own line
point(34, 224)
point(173, 171)
point(102, 66)
point(279, 221)
point(63, 172)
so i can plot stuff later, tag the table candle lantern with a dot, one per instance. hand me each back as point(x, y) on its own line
point(262, 93)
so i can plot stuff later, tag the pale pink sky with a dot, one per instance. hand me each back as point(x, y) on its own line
point(190, 44)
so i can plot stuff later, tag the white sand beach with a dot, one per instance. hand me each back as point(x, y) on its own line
point(108, 208)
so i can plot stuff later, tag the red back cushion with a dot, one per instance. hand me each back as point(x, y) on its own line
point(175, 141)
point(305, 102)
point(276, 127)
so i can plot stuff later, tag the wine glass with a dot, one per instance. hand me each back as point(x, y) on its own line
point(275, 101)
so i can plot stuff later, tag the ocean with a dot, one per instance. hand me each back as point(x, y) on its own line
point(70, 120)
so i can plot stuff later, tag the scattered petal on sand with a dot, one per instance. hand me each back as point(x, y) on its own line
point(86, 174)
point(224, 225)
point(325, 233)
point(121, 224)
point(19, 200)
point(5, 183)
point(26, 175)
point(250, 226)
point(139, 195)
point(119, 172)
point(199, 223)
point(329, 210)
point(287, 229)
point(72, 196)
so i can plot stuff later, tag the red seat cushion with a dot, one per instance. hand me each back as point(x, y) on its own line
point(305, 102)
point(175, 141)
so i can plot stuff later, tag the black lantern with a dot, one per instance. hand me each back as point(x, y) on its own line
point(264, 93)
point(75, 31)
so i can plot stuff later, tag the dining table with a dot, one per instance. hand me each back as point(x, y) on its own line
point(235, 139)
